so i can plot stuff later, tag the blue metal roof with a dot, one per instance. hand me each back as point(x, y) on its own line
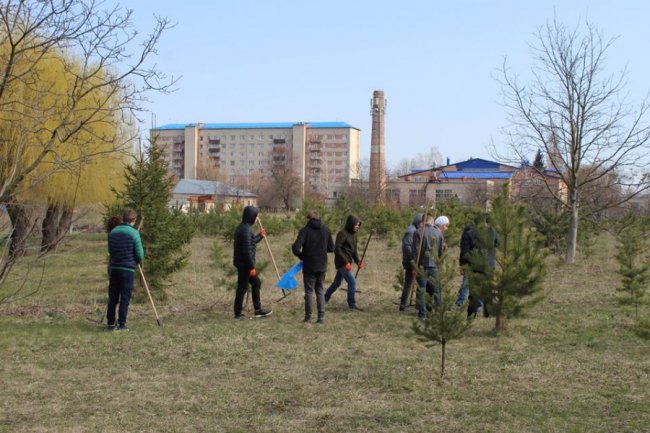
point(475, 174)
point(268, 125)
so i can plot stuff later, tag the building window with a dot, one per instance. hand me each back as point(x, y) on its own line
point(233, 137)
point(201, 138)
point(443, 194)
point(232, 163)
point(242, 137)
point(538, 181)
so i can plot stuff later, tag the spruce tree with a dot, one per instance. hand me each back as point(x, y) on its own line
point(445, 322)
point(538, 164)
point(515, 283)
point(165, 232)
point(634, 263)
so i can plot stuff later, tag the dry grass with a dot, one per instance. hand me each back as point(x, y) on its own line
point(571, 365)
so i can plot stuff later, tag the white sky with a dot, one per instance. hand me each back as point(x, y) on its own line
point(316, 60)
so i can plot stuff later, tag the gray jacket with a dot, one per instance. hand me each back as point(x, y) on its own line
point(431, 246)
point(407, 239)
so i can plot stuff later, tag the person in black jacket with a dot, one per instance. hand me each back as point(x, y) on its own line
point(408, 260)
point(244, 260)
point(478, 236)
point(313, 243)
point(345, 252)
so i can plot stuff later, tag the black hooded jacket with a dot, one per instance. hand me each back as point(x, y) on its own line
point(345, 248)
point(245, 240)
point(313, 243)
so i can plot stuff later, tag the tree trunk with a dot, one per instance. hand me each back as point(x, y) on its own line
point(50, 227)
point(65, 222)
point(442, 365)
point(500, 322)
point(572, 238)
point(21, 229)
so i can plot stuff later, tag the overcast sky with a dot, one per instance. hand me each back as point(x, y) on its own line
point(314, 60)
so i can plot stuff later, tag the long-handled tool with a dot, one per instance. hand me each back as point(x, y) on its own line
point(419, 252)
point(146, 287)
point(363, 255)
point(275, 266)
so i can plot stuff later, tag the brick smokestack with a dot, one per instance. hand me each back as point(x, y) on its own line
point(377, 185)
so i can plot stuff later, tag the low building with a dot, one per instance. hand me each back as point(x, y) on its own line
point(208, 194)
point(473, 181)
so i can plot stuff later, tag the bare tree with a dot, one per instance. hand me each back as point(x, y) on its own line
point(578, 115)
point(108, 78)
point(74, 76)
point(432, 158)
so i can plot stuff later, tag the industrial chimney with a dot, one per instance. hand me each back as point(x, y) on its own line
point(377, 185)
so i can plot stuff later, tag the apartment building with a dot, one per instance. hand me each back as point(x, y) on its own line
point(325, 156)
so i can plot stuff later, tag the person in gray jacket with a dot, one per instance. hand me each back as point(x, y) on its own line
point(432, 248)
point(408, 259)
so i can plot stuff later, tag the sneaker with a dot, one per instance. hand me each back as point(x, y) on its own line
point(306, 319)
point(110, 328)
point(321, 320)
point(239, 317)
point(122, 328)
point(355, 308)
point(263, 313)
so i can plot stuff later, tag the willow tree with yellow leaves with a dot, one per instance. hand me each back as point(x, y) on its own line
point(73, 79)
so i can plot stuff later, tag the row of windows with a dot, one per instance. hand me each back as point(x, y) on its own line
point(260, 137)
point(328, 137)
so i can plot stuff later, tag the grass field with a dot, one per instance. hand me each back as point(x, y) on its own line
point(573, 364)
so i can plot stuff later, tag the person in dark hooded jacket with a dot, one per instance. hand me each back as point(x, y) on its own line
point(408, 259)
point(313, 243)
point(345, 253)
point(244, 260)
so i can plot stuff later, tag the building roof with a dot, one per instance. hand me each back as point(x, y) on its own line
point(475, 174)
point(208, 187)
point(270, 125)
point(474, 167)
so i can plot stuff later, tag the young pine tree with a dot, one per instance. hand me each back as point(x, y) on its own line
point(165, 232)
point(633, 263)
point(515, 283)
point(445, 322)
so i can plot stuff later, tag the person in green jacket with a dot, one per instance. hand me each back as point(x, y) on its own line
point(125, 249)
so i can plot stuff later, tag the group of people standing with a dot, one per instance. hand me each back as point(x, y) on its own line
point(313, 243)
point(423, 244)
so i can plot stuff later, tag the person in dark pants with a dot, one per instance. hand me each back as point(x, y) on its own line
point(478, 236)
point(433, 247)
point(245, 243)
point(345, 252)
point(313, 243)
point(408, 259)
point(126, 252)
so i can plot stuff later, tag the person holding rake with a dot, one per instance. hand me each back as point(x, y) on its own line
point(244, 250)
point(345, 252)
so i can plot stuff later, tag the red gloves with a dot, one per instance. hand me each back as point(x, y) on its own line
point(348, 266)
point(252, 273)
point(263, 233)
point(360, 265)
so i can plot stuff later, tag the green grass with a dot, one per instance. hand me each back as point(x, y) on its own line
point(573, 364)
